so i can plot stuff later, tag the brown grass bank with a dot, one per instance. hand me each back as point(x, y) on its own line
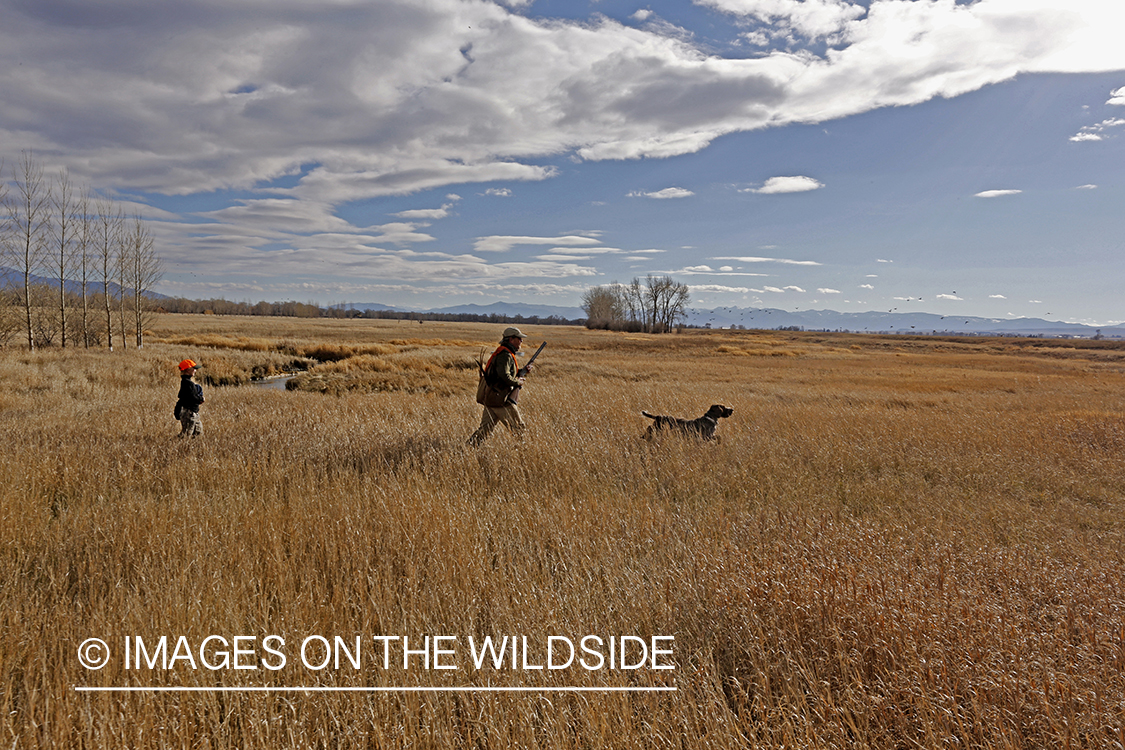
point(898, 542)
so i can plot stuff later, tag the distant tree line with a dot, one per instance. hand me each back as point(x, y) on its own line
point(655, 305)
point(100, 263)
point(550, 320)
point(312, 310)
point(226, 307)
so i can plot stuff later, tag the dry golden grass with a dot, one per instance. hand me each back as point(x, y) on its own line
point(898, 542)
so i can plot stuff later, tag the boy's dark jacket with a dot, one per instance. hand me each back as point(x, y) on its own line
point(191, 394)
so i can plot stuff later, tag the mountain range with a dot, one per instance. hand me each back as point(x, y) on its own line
point(733, 317)
point(811, 320)
point(10, 277)
point(894, 322)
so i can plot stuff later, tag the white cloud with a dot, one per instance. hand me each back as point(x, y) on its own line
point(949, 296)
point(883, 260)
point(756, 259)
point(642, 15)
point(794, 289)
point(1094, 132)
point(671, 192)
point(395, 97)
point(704, 270)
point(997, 296)
point(498, 192)
point(588, 250)
point(824, 290)
point(1117, 97)
point(811, 18)
point(796, 184)
point(425, 214)
point(866, 286)
point(1087, 187)
point(715, 288)
point(563, 257)
point(504, 243)
point(995, 193)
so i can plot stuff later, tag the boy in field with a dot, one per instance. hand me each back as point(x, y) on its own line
point(189, 400)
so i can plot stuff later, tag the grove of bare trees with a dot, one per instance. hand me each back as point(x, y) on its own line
point(654, 305)
point(65, 252)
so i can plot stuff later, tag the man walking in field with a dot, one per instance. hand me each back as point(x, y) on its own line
point(500, 391)
point(189, 400)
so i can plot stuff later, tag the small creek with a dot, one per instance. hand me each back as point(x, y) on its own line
point(277, 382)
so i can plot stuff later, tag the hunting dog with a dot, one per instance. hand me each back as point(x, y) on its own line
point(702, 427)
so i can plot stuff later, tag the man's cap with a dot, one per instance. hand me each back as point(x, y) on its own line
point(187, 364)
point(510, 332)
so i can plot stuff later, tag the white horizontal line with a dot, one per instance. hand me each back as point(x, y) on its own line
point(324, 689)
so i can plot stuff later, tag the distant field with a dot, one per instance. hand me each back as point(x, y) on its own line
point(899, 542)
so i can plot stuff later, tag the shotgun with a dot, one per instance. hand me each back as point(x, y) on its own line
point(522, 372)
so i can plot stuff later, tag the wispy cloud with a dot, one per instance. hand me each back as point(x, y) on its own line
point(425, 214)
point(670, 192)
point(715, 288)
point(1117, 97)
point(825, 290)
point(1096, 132)
point(949, 296)
point(796, 184)
point(1086, 187)
point(504, 243)
point(996, 193)
point(705, 270)
point(757, 259)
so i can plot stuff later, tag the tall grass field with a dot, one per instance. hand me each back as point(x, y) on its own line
point(898, 542)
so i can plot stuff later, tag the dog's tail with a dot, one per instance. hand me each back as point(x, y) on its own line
point(650, 416)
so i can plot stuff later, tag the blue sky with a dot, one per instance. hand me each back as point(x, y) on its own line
point(930, 155)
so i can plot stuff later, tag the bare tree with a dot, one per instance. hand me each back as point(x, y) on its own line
point(122, 267)
point(142, 270)
point(28, 226)
point(672, 303)
point(62, 240)
point(84, 241)
point(634, 297)
point(107, 231)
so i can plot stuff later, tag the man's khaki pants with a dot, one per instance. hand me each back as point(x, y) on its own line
point(508, 415)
